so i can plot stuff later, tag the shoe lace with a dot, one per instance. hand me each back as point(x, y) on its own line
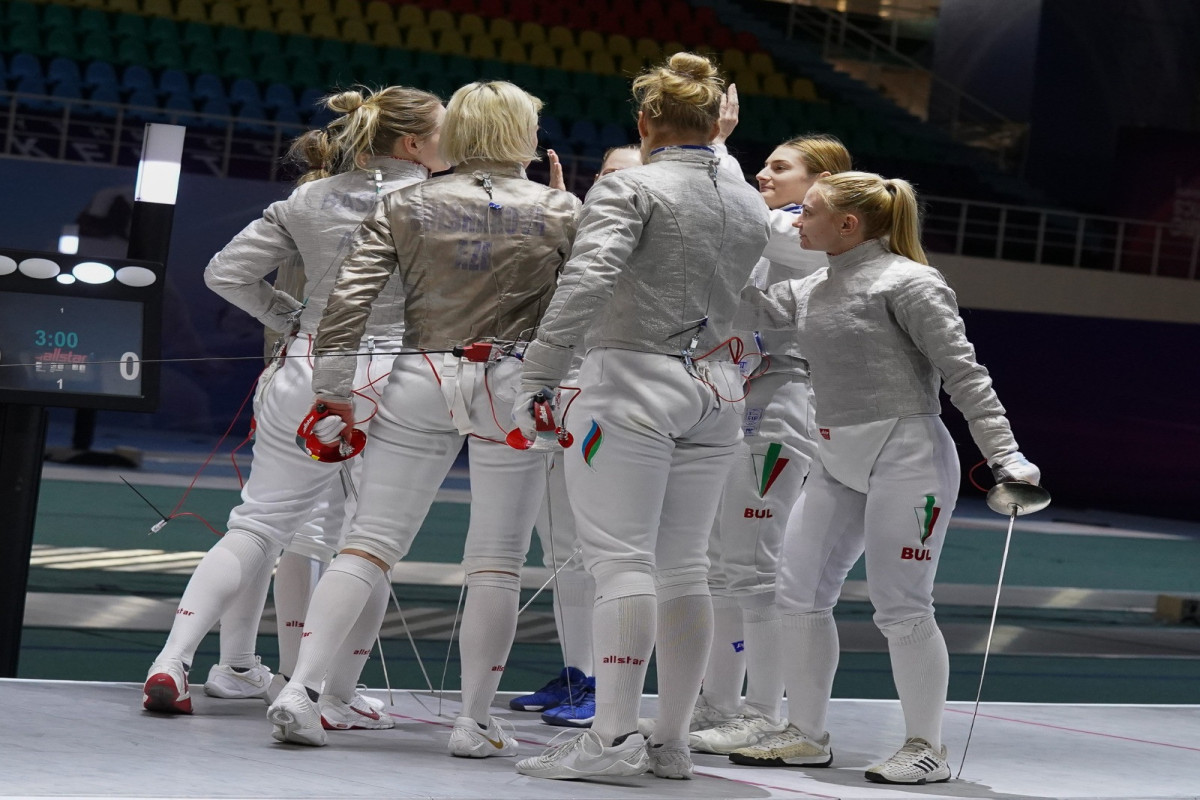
point(574, 741)
point(914, 750)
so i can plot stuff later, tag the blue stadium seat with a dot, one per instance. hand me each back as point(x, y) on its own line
point(25, 65)
point(136, 77)
point(143, 105)
point(103, 93)
point(279, 96)
point(100, 73)
point(208, 86)
point(62, 69)
point(172, 81)
point(244, 91)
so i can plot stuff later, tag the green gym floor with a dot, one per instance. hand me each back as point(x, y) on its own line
point(1075, 624)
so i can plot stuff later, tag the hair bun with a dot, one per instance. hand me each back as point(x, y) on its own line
point(692, 65)
point(345, 102)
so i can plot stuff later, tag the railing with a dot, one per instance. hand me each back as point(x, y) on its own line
point(1061, 238)
point(966, 118)
point(104, 134)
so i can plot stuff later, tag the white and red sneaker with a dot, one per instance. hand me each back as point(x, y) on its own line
point(359, 714)
point(166, 689)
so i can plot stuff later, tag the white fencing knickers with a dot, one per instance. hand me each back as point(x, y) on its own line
point(653, 446)
point(900, 523)
point(772, 463)
point(414, 441)
point(278, 498)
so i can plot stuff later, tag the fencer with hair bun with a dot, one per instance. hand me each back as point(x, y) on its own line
point(379, 142)
point(477, 253)
point(882, 334)
point(648, 296)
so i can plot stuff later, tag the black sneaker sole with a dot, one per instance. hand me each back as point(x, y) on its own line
point(875, 777)
point(750, 761)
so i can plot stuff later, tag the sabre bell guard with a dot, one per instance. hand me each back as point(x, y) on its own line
point(329, 452)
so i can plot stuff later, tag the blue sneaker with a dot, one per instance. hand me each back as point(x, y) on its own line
point(577, 712)
point(568, 684)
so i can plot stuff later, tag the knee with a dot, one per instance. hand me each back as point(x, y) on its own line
point(615, 584)
point(495, 571)
point(909, 631)
point(677, 582)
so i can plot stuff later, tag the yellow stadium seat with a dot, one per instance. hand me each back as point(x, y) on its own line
point(481, 46)
point(379, 11)
point(803, 89)
point(733, 60)
point(761, 63)
point(451, 43)
point(591, 41)
point(573, 61)
point(671, 48)
point(602, 63)
point(619, 45)
point(776, 85)
point(288, 22)
point(408, 16)
point(501, 29)
point(348, 9)
point(630, 65)
point(531, 33)
point(419, 39)
point(542, 55)
point(513, 52)
point(647, 49)
point(158, 8)
point(560, 38)
point(441, 20)
point(323, 26)
point(386, 34)
point(192, 11)
point(123, 6)
point(224, 13)
point(258, 18)
point(747, 82)
point(284, 5)
point(355, 30)
point(312, 7)
point(471, 24)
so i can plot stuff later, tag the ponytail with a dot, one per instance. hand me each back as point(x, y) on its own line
point(887, 208)
point(905, 237)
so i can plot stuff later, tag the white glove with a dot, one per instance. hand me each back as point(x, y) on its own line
point(522, 413)
point(1015, 467)
point(329, 429)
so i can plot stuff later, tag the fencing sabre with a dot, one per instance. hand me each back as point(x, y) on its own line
point(1014, 499)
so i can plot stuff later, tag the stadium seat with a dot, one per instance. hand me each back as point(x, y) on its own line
point(531, 33)
point(290, 23)
point(620, 45)
point(591, 41)
point(410, 16)
point(355, 30)
point(501, 29)
point(298, 47)
point(232, 40)
point(158, 8)
point(379, 12)
point(19, 12)
point(441, 20)
point(91, 19)
point(543, 55)
point(191, 11)
point(481, 46)
point(195, 34)
point(386, 34)
point(224, 13)
point(258, 18)
point(323, 26)
point(420, 39)
point(129, 26)
point(277, 6)
point(313, 7)
point(647, 49)
point(56, 16)
point(174, 81)
point(100, 73)
point(560, 38)
point(513, 52)
point(332, 51)
point(244, 90)
point(60, 42)
point(450, 42)
point(348, 9)
point(573, 60)
point(761, 63)
point(470, 25)
point(602, 63)
point(208, 85)
point(277, 96)
point(161, 30)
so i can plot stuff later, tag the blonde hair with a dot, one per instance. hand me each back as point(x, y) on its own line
point(368, 122)
point(887, 207)
point(493, 121)
point(683, 95)
point(821, 152)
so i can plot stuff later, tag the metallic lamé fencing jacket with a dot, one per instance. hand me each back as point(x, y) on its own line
point(661, 247)
point(314, 224)
point(477, 251)
point(882, 334)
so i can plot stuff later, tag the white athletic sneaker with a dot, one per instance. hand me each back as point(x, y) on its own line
point(468, 740)
point(916, 762)
point(745, 730)
point(166, 688)
point(274, 687)
point(296, 718)
point(228, 683)
point(670, 760)
point(703, 716)
point(788, 748)
point(585, 756)
point(359, 714)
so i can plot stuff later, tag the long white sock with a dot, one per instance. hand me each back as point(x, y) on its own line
point(684, 626)
point(921, 669)
point(212, 588)
point(727, 657)
point(764, 659)
point(337, 602)
point(574, 596)
point(347, 665)
point(488, 626)
point(239, 622)
point(295, 578)
point(810, 651)
point(623, 629)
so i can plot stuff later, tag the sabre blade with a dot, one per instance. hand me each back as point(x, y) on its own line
point(163, 519)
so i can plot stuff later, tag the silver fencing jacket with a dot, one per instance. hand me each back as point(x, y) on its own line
point(783, 259)
point(882, 334)
point(661, 248)
point(477, 253)
point(314, 224)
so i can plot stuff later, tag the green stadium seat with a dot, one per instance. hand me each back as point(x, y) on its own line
point(19, 12)
point(129, 26)
point(60, 42)
point(96, 46)
point(195, 34)
point(55, 16)
point(332, 51)
point(132, 51)
point(232, 40)
point(299, 48)
point(160, 30)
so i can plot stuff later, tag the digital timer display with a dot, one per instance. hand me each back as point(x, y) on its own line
point(70, 345)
